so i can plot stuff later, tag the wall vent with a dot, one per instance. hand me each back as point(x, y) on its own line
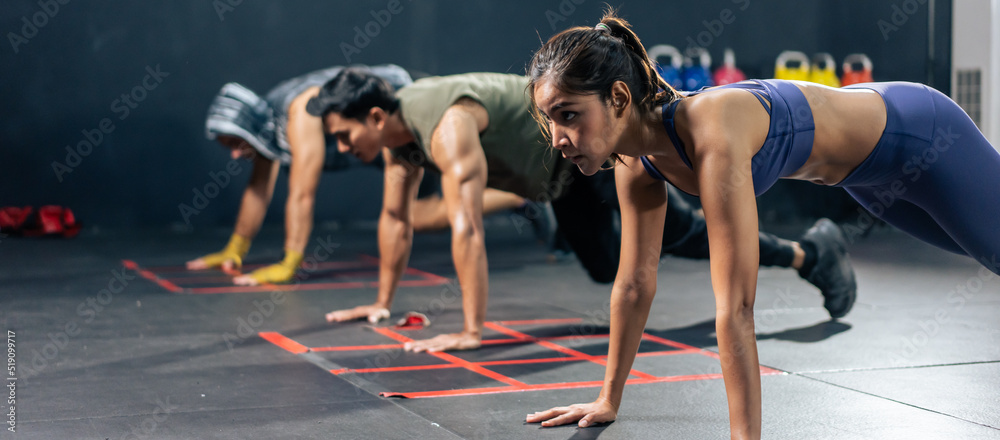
point(969, 93)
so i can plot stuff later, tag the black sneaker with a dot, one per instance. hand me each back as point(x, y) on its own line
point(832, 273)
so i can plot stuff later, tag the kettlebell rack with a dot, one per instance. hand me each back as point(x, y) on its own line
point(693, 70)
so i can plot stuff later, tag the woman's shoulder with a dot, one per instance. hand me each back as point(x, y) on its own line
point(723, 116)
point(718, 102)
point(633, 171)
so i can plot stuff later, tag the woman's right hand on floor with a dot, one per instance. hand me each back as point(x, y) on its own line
point(585, 414)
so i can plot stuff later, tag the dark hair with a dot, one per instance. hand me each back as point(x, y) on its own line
point(589, 60)
point(353, 93)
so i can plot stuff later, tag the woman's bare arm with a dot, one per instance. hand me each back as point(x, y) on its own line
point(722, 162)
point(643, 210)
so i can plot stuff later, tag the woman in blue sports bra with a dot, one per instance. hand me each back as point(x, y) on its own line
point(909, 154)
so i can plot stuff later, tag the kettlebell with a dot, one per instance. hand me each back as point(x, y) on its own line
point(782, 69)
point(728, 73)
point(852, 76)
point(824, 70)
point(671, 70)
point(695, 76)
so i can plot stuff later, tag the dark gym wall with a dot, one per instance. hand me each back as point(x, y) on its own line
point(63, 82)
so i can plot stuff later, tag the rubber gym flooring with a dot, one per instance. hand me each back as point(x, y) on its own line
point(113, 340)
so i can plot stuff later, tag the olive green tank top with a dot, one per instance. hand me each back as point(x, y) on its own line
point(517, 155)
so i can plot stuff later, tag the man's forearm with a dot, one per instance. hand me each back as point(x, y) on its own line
point(468, 248)
point(253, 208)
point(395, 240)
point(298, 222)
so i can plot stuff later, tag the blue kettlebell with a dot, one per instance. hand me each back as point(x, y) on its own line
point(696, 76)
point(671, 70)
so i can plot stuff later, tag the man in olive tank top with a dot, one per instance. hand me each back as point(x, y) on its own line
point(476, 131)
point(275, 131)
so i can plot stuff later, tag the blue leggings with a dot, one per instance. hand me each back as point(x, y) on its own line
point(933, 174)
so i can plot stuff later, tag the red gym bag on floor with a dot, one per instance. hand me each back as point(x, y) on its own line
point(49, 220)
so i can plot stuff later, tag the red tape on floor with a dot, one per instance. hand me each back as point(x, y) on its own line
point(561, 349)
point(158, 275)
point(542, 387)
point(455, 360)
point(513, 385)
point(541, 321)
point(284, 342)
point(764, 371)
point(132, 265)
point(394, 369)
point(359, 347)
point(443, 366)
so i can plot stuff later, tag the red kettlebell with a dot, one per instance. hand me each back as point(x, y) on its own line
point(852, 76)
point(728, 73)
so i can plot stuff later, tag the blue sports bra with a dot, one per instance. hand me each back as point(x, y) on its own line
point(789, 137)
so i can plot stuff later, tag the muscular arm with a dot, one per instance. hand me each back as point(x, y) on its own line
point(458, 153)
point(308, 148)
point(395, 225)
point(256, 197)
point(643, 211)
point(731, 216)
point(395, 238)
